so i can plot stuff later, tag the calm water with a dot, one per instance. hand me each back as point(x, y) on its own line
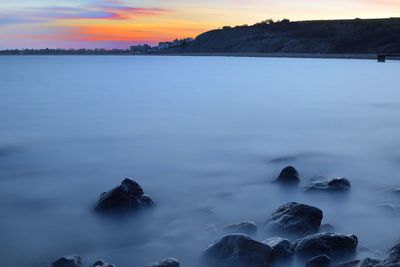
point(202, 135)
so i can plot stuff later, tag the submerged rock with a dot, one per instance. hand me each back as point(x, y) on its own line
point(282, 248)
point(319, 261)
point(369, 262)
point(393, 259)
point(170, 262)
point(289, 175)
point(295, 218)
point(238, 250)
point(102, 263)
point(67, 261)
point(330, 244)
point(126, 197)
point(248, 228)
point(335, 184)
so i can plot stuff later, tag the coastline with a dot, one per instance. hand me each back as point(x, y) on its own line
point(221, 54)
point(244, 54)
point(275, 55)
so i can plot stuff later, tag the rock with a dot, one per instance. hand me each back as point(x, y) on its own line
point(248, 228)
point(369, 262)
point(335, 184)
point(126, 197)
point(238, 250)
point(393, 260)
point(282, 248)
point(353, 263)
point(395, 190)
point(330, 244)
point(67, 261)
point(295, 218)
point(102, 263)
point(319, 261)
point(170, 262)
point(289, 175)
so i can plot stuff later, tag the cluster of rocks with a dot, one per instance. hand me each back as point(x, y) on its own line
point(290, 176)
point(242, 251)
point(75, 261)
point(314, 244)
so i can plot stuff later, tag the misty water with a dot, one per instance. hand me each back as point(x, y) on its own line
point(204, 136)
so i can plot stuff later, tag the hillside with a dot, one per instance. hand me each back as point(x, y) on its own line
point(358, 36)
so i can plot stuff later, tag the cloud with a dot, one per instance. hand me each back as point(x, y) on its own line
point(106, 10)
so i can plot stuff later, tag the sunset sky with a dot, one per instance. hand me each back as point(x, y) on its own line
point(120, 23)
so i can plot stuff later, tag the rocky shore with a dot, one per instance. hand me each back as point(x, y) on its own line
point(295, 234)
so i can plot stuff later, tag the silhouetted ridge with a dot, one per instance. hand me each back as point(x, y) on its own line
point(358, 36)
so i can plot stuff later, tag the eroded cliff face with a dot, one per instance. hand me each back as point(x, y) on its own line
point(331, 36)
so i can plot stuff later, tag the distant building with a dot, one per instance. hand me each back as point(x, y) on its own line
point(175, 43)
point(140, 49)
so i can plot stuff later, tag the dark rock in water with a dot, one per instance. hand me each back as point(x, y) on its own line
point(295, 218)
point(353, 263)
point(126, 197)
point(67, 261)
point(283, 248)
point(289, 175)
point(335, 184)
point(368, 262)
point(393, 260)
point(248, 228)
point(395, 190)
point(238, 250)
point(170, 262)
point(319, 261)
point(330, 244)
point(102, 263)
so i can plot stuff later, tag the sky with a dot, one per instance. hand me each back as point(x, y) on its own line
point(121, 23)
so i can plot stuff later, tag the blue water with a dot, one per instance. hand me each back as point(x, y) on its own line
point(204, 136)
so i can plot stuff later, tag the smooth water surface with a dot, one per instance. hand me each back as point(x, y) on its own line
point(204, 136)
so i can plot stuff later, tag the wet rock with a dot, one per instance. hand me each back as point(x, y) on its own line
point(170, 262)
point(319, 261)
point(295, 218)
point(248, 228)
point(335, 184)
point(393, 260)
point(282, 248)
point(102, 263)
point(353, 263)
point(289, 175)
point(126, 197)
point(395, 190)
point(369, 262)
point(67, 261)
point(238, 250)
point(330, 244)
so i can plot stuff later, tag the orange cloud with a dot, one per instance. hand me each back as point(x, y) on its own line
point(149, 33)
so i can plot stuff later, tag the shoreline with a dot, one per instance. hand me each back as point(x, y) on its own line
point(275, 55)
point(248, 55)
point(266, 55)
